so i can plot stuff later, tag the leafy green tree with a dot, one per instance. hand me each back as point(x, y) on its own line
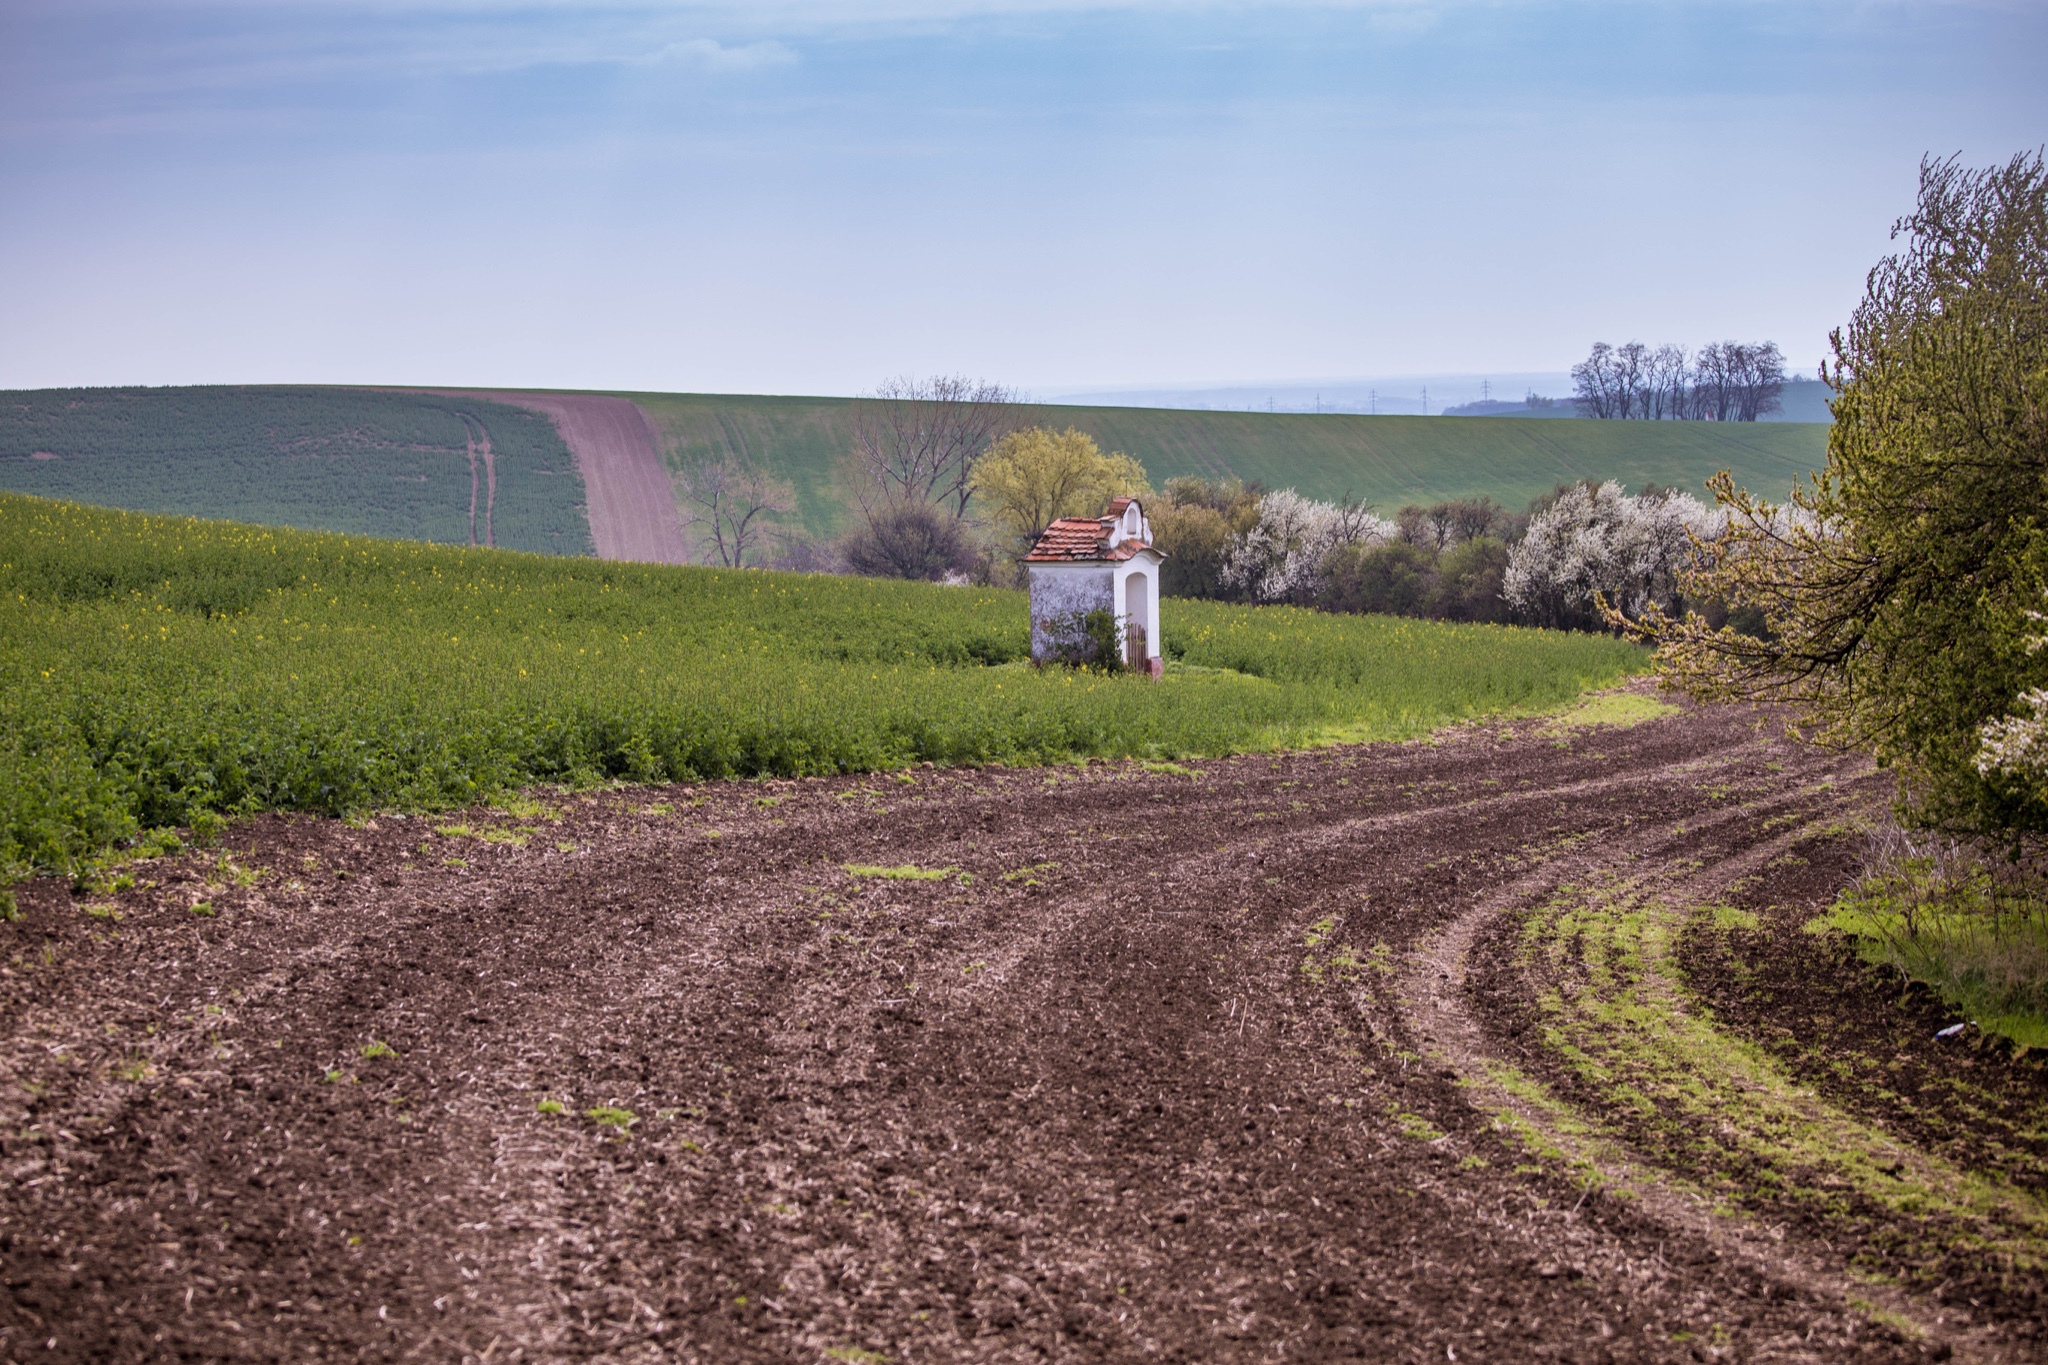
point(1468, 582)
point(1392, 579)
point(1035, 477)
point(1898, 588)
point(1195, 524)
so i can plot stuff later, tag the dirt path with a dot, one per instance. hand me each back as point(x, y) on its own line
point(631, 506)
point(1148, 1065)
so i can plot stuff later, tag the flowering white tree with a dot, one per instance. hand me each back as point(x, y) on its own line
point(1601, 540)
point(1281, 558)
point(2017, 746)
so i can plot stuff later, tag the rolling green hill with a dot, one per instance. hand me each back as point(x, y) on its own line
point(1388, 461)
point(328, 459)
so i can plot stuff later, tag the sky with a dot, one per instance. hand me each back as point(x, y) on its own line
point(790, 196)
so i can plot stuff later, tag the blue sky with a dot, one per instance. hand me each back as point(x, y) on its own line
point(806, 198)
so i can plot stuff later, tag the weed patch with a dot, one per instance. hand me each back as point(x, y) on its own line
point(1612, 709)
point(1942, 917)
point(1701, 1100)
point(908, 872)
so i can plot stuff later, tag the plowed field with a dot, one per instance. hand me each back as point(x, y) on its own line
point(1503, 1047)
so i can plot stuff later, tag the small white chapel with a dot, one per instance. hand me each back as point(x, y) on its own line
point(1106, 563)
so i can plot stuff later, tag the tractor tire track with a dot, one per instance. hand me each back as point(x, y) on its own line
point(483, 469)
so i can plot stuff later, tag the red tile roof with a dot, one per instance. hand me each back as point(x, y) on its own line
point(1081, 540)
point(1071, 538)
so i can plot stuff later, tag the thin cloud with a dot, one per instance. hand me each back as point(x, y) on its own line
point(710, 54)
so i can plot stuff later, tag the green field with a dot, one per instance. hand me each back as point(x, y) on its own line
point(1388, 461)
point(375, 463)
point(153, 669)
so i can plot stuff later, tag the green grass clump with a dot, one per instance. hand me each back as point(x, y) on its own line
point(1617, 710)
point(909, 872)
point(612, 1116)
point(157, 672)
point(1982, 947)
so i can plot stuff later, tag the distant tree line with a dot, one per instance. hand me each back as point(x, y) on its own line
point(1727, 381)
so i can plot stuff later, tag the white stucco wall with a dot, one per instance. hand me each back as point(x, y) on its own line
point(1066, 590)
point(1140, 607)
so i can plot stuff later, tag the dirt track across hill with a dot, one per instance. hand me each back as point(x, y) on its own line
point(631, 505)
point(1268, 1058)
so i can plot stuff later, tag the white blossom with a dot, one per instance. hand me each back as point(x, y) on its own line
point(1281, 558)
point(1603, 540)
point(2018, 744)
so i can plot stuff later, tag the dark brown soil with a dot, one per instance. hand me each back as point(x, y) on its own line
point(1097, 1093)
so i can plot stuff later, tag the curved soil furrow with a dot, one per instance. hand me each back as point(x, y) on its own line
point(1433, 991)
point(1438, 1005)
point(631, 505)
point(1073, 1064)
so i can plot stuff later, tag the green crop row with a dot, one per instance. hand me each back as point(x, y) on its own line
point(153, 669)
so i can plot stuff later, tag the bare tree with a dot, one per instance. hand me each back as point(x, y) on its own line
point(915, 440)
point(1596, 384)
point(1761, 375)
point(1728, 381)
point(1472, 518)
point(1443, 522)
point(1666, 374)
point(739, 503)
point(1411, 524)
point(1714, 382)
point(1630, 360)
point(1353, 520)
